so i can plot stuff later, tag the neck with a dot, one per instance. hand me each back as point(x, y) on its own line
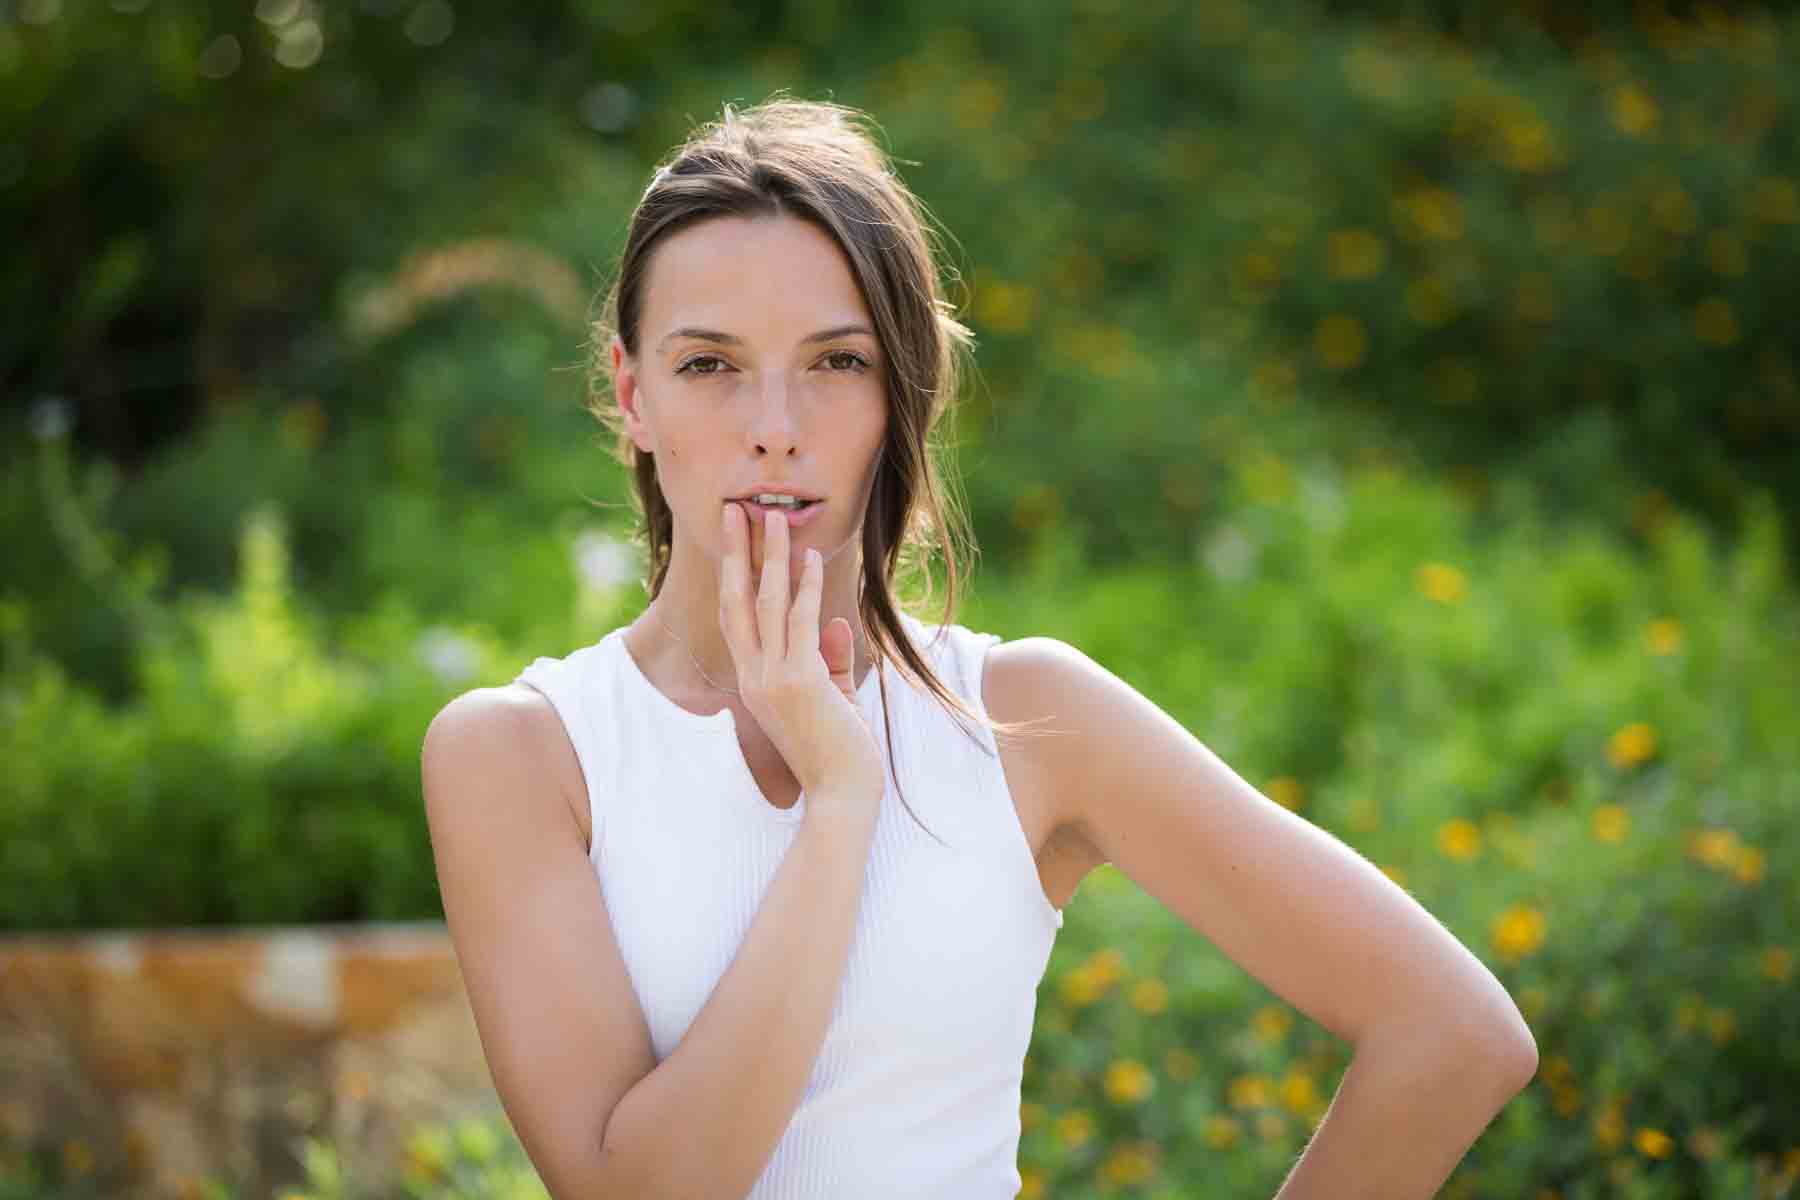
point(688, 606)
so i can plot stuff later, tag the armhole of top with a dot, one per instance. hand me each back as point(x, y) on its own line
point(541, 679)
point(974, 673)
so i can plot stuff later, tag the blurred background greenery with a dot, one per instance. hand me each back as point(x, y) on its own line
point(1403, 395)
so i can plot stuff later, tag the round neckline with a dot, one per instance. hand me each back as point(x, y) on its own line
point(725, 721)
point(724, 716)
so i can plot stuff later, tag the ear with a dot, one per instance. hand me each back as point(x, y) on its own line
point(625, 392)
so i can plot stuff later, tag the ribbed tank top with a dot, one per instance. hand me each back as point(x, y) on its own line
point(915, 1091)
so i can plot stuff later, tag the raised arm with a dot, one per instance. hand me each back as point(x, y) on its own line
point(564, 1036)
point(1439, 1045)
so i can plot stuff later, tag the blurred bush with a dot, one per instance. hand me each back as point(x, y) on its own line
point(340, 259)
point(1577, 755)
point(299, 453)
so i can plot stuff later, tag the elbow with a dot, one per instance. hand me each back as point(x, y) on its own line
point(1518, 1058)
point(1503, 1049)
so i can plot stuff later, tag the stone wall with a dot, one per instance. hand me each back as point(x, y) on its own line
point(153, 1059)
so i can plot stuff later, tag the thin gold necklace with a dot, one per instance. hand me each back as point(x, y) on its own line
point(709, 679)
point(692, 659)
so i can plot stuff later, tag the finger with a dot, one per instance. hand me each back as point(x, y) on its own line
point(803, 618)
point(837, 646)
point(772, 598)
point(734, 588)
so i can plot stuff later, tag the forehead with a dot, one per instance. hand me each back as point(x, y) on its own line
point(751, 276)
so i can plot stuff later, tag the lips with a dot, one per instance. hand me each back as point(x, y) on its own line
point(795, 520)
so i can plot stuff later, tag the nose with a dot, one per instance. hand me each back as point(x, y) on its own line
point(772, 423)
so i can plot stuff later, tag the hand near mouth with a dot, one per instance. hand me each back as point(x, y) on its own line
point(796, 680)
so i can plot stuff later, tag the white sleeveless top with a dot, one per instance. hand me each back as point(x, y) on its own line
point(915, 1092)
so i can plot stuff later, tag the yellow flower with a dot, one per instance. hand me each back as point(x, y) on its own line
point(1717, 848)
point(1634, 110)
point(1721, 1025)
point(1459, 839)
point(1150, 996)
point(1715, 323)
point(1653, 1143)
point(1031, 1183)
point(1005, 307)
point(1631, 746)
point(1527, 144)
point(428, 1154)
point(1128, 1081)
point(1271, 1126)
point(1031, 1115)
point(1074, 1128)
point(1687, 1012)
point(1286, 791)
point(1555, 1069)
point(1250, 1091)
point(1432, 212)
point(1299, 1094)
point(1271, 1023)
point(1663, 636)
point(1180, 1065)
point(1777, 964)
point(1222, 1133)
point(1518, 931)
point(1566, 1099)
point(1354, 254)
point(1130, 1162)
point(978, 101)
point(1340, 342)
point(1084, 984)
point(1611, 823)
point(1441, 582)
point(1750, 864)
point(1080, 987)
point(1609, 1127)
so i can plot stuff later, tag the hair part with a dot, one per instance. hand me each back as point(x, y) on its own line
point(818, 162)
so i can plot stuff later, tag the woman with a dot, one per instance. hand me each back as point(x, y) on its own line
point(726, 928)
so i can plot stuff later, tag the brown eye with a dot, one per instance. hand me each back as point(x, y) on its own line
point(702, 364)
point(847, 360)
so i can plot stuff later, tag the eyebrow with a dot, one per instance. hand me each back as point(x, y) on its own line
point(727, 339)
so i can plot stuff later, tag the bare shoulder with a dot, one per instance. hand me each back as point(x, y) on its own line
point(1020, 684)
point(521, 720)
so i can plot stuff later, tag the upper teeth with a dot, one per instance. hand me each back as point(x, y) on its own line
point(773, 498)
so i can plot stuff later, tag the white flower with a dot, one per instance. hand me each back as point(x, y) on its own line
point(604, 562)
point(1230, 555)
point(50, 418)
point(449, 655)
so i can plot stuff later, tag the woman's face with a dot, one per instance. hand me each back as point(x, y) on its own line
point(757, 366)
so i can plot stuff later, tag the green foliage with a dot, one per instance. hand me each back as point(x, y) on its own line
point(1223, 261)
point(1574, 752)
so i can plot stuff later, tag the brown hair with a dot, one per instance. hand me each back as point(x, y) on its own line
point(816, 161)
